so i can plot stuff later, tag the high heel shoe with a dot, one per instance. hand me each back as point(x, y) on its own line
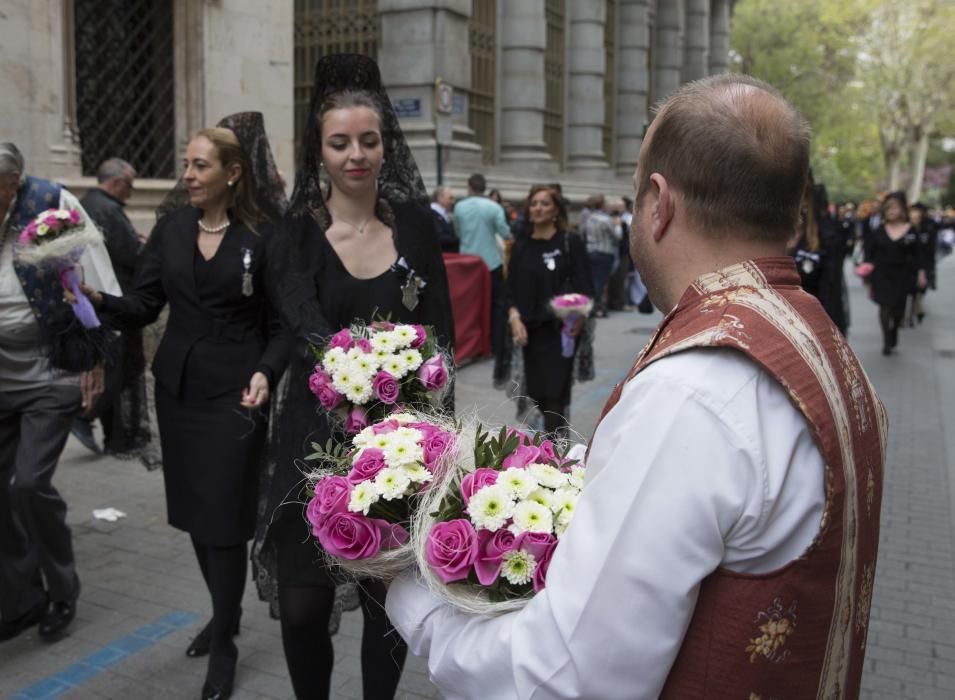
point(201, 644)
point(220, 677)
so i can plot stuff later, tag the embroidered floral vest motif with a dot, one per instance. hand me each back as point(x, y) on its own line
point(798, 632)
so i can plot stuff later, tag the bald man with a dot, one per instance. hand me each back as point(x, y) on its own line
point(725, 541)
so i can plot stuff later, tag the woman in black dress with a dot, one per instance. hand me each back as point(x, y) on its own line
point(359, 246)
point(894, 250)
point(549, 262)
point(222, 352)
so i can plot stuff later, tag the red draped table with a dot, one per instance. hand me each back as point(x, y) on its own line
point(470, 285)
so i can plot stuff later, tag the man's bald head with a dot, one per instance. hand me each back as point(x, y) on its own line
point(735, 151)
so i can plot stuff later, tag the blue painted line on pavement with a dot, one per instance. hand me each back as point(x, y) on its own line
point(93, 664)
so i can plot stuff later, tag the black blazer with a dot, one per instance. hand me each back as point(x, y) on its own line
point(224, 337)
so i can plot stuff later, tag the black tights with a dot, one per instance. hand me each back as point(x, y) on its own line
point(553, 410)
point(305, 613)
point(890, 318)
point(224, 570)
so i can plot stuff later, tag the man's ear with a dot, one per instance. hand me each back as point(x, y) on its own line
point(663, 206)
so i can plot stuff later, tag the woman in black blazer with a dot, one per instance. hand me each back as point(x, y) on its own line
point(222, 352)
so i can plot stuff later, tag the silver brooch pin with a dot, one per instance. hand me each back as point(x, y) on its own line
point(247, 272)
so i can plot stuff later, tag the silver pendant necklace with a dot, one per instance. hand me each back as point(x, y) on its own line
point(360, 229)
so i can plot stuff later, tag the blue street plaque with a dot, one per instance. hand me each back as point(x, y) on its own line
point(407, 107)
point(459, 103)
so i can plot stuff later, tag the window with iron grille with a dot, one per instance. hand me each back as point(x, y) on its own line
point(554, 56)
point(481, 34)
point(125, 101)
point(610, 80)
point(324, 27)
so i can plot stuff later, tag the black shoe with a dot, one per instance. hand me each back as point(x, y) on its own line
point(221, 675)
point(920, 317)
point(886, 350)
point(82, 430)
point(11, 629)
point(201, 644)
point(58, 617)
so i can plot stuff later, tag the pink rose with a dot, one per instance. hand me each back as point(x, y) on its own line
point(371, 461)
point(74, 216)
point(364, 345)
point(385, 427)
point(433, 374)
point(395, 537)
point(475, 481)
point(318, 379)
point(386, 387)
point(342, 339)
point(331, 496)
point(493, 546)
point(522, 456)
point(547, 451)
point(357, 420)
point(383, 326)
point(435, 445)
point(451, 549)
point(328, 397)
point(541, 545)
point(352, 536)
point(421, 335)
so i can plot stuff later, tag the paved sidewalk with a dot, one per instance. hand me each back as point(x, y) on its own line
point(143, 597)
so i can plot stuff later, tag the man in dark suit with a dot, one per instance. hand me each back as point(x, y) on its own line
point(442, 203)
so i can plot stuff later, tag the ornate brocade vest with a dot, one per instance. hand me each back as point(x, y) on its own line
point(800, 631)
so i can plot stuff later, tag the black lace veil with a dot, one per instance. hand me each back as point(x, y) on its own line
point(268, 189)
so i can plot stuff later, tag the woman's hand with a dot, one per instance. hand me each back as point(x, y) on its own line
point(922, 282)
point(96, 299)
point(578, 326)
point(257, 393)
point(518, 331)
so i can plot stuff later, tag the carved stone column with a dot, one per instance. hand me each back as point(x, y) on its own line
point(633, 81)
point(719, 36)
point(696, 54)
point(585, 105)
point(668, 48)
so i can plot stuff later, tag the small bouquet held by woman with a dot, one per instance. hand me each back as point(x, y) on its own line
point(570, 308)
point(485, 534)
point(364, 499)
point(366, 372)
point(56, 240)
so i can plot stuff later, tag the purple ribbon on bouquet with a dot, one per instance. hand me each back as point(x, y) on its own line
point(566, 339)
point(82, 308)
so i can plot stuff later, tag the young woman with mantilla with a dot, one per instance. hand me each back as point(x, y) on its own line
point(222, 351)
point(549, 262)
point(361, 246)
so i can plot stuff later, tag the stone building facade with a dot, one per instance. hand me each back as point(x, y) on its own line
point(544, 90)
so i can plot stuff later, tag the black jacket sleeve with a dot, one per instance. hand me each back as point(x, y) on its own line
point(146, 300)
point(275, 357)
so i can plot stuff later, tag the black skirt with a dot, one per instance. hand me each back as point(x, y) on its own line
point(547, 372)
point(212, 451)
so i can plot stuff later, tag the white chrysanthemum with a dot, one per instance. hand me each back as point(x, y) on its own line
point(418, 473)
point(395, 366)
point(406, 433)
point(333, 360)
point(548, 476)
point(381, 441)
point(364, 438)
point(359, 389)
point(404, 335)
point(412, 359)
point(380, 355)
point(560, 528)
point(543, 496)
point(532, 517)
point(366, 364)
point(518, 567)
point(565, 516)
point(565, 499)
point(401, 452)
point(363, 495)
point(403, 417)
point(577, 474)
point(490, 507)
point(383, 341)
point(392, 483)
point(519, 482)
point(354, 353)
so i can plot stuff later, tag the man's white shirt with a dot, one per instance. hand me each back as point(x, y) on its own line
point(704, 463)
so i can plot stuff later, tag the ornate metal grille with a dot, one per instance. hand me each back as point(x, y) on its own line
point(554, 79)
point(610, 80)
point(329, 26)
point(125, 84)
point(481, 34)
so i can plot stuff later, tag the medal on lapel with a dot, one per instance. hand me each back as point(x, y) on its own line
point(550, 259)
point(412, 286)
point(247, 272)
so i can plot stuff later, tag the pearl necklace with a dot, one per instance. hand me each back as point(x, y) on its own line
point(360, 229)
point(214, 229)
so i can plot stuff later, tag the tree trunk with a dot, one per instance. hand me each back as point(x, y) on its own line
point(919, 157)
point(893, 163)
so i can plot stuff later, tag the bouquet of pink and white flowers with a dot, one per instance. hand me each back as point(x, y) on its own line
point(56, 240)
point(366, 372)
point(484, 536)
point(365, 498)
point(569, 308)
